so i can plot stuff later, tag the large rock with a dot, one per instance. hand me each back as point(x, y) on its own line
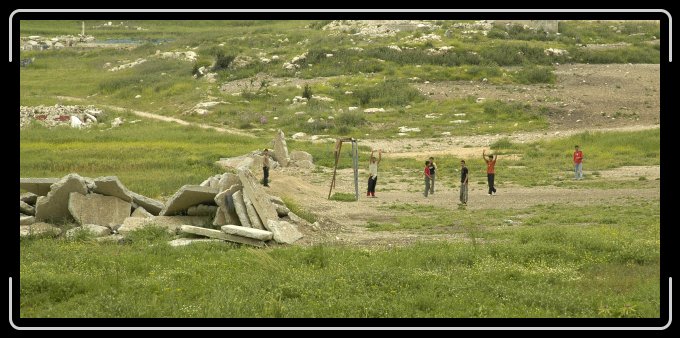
point(28, 198)
point(301, 164)
point(38, 186)
point(282, 210)
point(26, 208)
point(227, 180)
point(265, 209)
point(262, 235)
point(26, 219)
point(225, 201)
point(151, 205)
point(98, 209)
point(187, 241)
point(111, 186)
point(54, 206)
point(171, 223)
point(241, 162)
point(283, 231)
point(219, 217)
point(241, 210)
point(187, 196)
point(220, 235)
point(38, 229)
point(281, 149)
point(298, 155)
point(141, 213)
point(255, 221)
point(202, 210)
point(95, 230)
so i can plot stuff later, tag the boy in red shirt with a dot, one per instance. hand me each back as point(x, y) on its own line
point(578, 163)
point(490, 171)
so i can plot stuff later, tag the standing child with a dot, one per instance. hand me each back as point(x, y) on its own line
point(578, 163)
point(433, 169)
point(490, 171)
point(373, 172)
point(426, 173)
point(463, 183)
point(265, 167)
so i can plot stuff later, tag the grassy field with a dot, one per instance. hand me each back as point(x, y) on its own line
point(601, 263)
point(542, 261)
point(376, 75)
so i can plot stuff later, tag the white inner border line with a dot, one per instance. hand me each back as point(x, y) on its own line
point(668, 324)
point(670, 18)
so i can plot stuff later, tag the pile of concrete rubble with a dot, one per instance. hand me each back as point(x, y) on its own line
point(232, 207)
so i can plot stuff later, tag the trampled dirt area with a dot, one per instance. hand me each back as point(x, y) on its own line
point(616, 97)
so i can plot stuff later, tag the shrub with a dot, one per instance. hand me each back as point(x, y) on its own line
point(222, 61)
point(535, 74)
point(307, 92)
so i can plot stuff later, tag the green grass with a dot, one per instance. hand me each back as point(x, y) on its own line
point(559, 264)
point(377, 76)
point(343, 197)
point(150, 158)
point(550, 162)
point(295, 207)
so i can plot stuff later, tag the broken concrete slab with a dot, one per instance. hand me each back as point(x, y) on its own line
point(241, 210)
point(187, 241)
point(26, 208)
point(141, 212)
point(111, 186)
point(220, 235)
point(93, 229)
point(261, 202)
point(171, 223)
point(39, 229)
point(202, 210)
point(227, 180)
point(219, 217)
point(151, 205)
point(241, 162)
point(297, 219)
point(54, 206)
point(28, 198)
point(276, 200)
point(187, 196)
point(281, 149)
point(284, 232)
point(298, 155)
point(225, 201)
point(255, 222)
point(301, 164)
point(98, 209)
point(262, 235)
point(38, 186)
point(26, 219)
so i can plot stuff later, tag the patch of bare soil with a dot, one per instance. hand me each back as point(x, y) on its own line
point(345, 222)
point(584, 96)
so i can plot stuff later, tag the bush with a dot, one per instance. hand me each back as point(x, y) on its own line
point(222, 61)
point(307, 92)
point(350, 120)
point(535, 74)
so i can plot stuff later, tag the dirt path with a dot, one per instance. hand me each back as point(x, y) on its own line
point(344, 222)
point(471, 146)
point(163, 118)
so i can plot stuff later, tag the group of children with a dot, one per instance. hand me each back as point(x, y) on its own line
point(429, 175)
